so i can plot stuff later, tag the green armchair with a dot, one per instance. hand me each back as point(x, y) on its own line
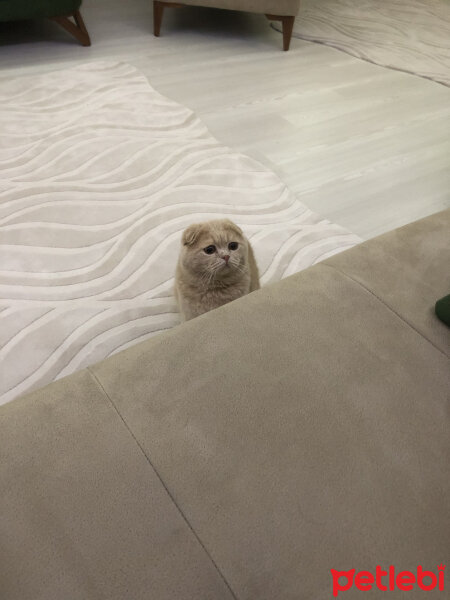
point(60, 11)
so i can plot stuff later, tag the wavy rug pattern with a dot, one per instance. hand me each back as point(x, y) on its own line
point(406, 35)
point(99, 174)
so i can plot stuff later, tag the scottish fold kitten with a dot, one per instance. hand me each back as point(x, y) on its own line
point(216, 265)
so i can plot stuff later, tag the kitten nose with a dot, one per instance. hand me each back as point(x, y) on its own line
point(226, 258)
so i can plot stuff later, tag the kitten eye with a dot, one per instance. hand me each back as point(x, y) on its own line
point(233, 246)
point(209, 249)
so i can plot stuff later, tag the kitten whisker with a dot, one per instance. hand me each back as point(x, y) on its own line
point(240, 268)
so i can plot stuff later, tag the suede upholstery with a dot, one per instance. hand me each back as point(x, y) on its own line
point(15, 10)
point(85, 515)
point(405, 272)
point(249, 451)
point(276, 7)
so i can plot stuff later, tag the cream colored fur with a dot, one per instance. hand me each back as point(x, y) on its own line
point(206, 281)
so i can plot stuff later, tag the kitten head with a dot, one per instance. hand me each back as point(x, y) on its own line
point(214, 251)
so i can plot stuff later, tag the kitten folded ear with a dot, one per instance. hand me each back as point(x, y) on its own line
point(233, 227)
point(190, 235)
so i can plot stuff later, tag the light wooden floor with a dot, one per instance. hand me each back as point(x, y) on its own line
point(367, 147)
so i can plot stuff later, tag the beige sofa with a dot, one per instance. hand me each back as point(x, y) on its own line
point(275, 10)
point(250, 451)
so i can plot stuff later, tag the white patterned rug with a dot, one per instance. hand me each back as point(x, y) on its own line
point(406, 35)
point(99, 174)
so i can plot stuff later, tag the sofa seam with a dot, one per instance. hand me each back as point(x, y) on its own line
point(185, 519)
point(385, 304)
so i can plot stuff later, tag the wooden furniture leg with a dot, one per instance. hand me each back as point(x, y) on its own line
point(288, 26)
point(77, 29)
point(158, 11)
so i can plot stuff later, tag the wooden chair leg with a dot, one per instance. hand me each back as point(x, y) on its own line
point(158, 11)
point(77, 29)
point(288, 26)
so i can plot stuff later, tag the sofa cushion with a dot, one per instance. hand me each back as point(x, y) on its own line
point(82, 512)
point(301, 429)
point(408, 270)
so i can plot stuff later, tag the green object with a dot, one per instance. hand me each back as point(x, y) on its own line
point(443, 309)
point(15, 10)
